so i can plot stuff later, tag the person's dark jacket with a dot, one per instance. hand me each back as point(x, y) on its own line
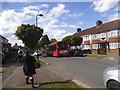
point(29, 65)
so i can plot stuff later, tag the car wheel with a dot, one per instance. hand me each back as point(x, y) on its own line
point(113, 85)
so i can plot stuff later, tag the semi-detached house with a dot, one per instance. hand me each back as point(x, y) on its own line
point(4, 44)
point(102, 38)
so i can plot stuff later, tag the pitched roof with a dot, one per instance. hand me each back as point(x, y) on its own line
point(101, 28)
point(3, 37)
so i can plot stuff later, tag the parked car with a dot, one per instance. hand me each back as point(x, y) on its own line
point(43, 52)
point(37, 53)
point(111, 78)
point(2, 56)
point(76, 52)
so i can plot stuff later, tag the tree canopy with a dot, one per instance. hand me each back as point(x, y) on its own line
point(29, 34)
point(73, 39)
point(76, 40)
point(67, 39)
point(44, 41)
point(53, 40)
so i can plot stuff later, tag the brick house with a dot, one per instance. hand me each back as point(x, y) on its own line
point(16, 46)
point(4, 44)
point(102, 38)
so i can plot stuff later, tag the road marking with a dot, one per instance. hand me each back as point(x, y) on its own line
point(80, 83)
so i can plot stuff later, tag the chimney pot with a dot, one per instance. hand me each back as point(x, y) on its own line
point(99, 22)
point(78, 29)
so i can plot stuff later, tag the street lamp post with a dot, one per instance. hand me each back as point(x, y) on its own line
point(41, 15)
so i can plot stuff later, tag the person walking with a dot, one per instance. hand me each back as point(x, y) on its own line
point(20, 54)
point(29, 68)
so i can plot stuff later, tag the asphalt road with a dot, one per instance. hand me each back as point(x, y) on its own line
point(87, 71)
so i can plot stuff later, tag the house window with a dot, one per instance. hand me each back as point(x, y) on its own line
point(86, 37)
point(118, 33)
point(103, 35)
point(118, 44)
point(95, 36)
point(114, 33)
point(86, 46)
point(94, 46)
point(114, 45)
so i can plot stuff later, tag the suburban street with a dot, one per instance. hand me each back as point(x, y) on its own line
point(86, 71)
point(74, 44)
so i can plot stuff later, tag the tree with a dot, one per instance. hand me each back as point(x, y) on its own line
point(29, 34)
point(67, 39)
point(76, 40)
point(53, 40)
point(44, 41)
point(73, 39)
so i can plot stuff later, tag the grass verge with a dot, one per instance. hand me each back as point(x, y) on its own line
point(41, 61)
point(59, 84)
point(95, 56)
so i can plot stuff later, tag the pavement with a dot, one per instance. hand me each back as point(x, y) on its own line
point(46, 73)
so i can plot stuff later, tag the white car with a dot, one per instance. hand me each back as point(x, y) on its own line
point(111, 78)
point(36, 53)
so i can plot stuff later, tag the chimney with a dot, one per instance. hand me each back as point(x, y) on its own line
point(99, 22)
point(78, 29)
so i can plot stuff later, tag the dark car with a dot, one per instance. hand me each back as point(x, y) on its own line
point(49, 53)
point(76, 52)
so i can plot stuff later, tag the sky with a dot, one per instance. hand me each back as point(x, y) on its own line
point(59, 19)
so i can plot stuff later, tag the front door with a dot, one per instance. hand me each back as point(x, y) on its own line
point(102, 48)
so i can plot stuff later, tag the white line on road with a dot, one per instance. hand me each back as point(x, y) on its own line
point(80, 83)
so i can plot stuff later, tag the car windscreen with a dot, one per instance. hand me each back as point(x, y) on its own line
point(62, 45)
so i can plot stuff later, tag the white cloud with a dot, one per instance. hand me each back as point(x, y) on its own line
point(9, 21)
point(50, 22)
point(75, 15)
point(117, 8)
point(80, 23)
point(54, 13)
point(104, 5)
point(45, 5)
point(114, 17)
point(64, 25)
point(57, 11)
point(56, 33)
point(34, 10)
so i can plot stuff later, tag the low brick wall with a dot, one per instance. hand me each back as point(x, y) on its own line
point(94, 51)
point(113, 52)
point(110, 52)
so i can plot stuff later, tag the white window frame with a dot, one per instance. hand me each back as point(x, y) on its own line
point(114, 45)
point(86, 46)
point(114, 33)
point(94, 46)
point(103, 35)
